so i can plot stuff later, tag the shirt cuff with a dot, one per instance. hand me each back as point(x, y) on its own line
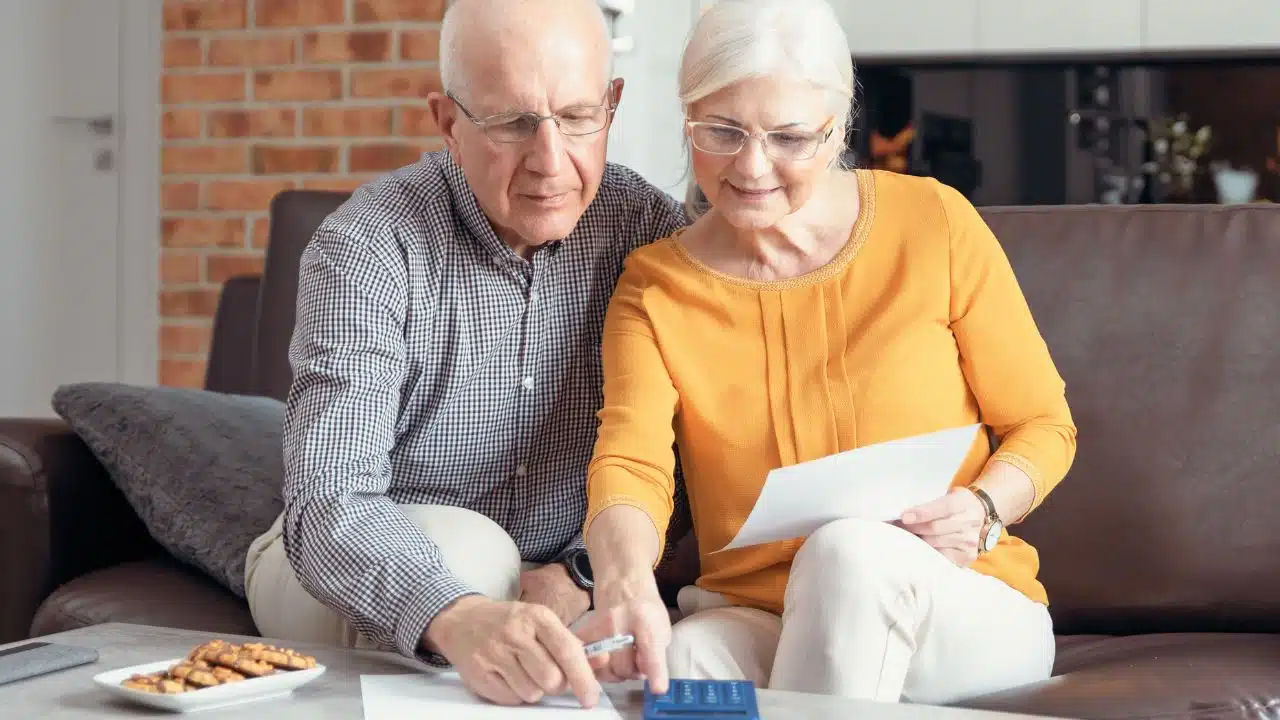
point(413, 622)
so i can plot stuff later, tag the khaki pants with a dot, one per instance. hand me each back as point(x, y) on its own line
point(872, 612)
point(476, 549)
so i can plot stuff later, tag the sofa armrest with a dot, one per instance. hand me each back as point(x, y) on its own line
point(60, 517)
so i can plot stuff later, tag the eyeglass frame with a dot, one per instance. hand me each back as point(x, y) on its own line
point(827, 129)
point(487, 121)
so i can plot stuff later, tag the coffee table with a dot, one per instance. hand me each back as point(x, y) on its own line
point(336, 694)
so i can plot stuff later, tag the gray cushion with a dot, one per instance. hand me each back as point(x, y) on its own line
point(203, 470)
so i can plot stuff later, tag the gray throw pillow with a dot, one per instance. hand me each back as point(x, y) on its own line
point(203, 470)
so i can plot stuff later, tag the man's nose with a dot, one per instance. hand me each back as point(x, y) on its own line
point(546, 149)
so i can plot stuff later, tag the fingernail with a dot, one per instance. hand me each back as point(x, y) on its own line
point(908, 517)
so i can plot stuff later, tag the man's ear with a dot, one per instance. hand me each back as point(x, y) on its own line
point(615, 90)
point(445, 115)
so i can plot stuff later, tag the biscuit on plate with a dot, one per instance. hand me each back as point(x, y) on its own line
point(282, 658)
point(157, 683)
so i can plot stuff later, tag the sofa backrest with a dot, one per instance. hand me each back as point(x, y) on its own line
point(1165, 323)
point(295, 215)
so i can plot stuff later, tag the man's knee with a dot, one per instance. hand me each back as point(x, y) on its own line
point(474, 547)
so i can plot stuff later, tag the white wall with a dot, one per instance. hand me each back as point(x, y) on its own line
point(646, 135)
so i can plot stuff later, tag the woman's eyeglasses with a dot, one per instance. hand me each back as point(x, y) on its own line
point(787, 144)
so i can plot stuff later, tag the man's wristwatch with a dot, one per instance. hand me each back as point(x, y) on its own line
point(992, 525)
point(579, 567)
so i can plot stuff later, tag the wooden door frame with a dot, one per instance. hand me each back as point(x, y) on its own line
point(138, 226)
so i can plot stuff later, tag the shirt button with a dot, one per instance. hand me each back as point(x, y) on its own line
point(521, 470)
point(533, 296)
point(527, 383)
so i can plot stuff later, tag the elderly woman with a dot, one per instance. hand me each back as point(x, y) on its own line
point(807, 311)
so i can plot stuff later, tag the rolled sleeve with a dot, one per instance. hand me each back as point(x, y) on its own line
point(349, 544)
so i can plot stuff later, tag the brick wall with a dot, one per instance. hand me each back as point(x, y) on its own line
point(263, 95)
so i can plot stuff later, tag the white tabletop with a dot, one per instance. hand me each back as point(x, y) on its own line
point(336, 694)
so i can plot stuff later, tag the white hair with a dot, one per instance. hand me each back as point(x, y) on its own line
point(737, 40)
point(452, 77)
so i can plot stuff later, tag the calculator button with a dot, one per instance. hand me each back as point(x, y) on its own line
point(687, 694)
point(734, 696)
point(710, 694)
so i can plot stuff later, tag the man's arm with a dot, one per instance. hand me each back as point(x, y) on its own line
point(349, 544)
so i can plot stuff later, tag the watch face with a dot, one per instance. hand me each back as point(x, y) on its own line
point(582, 562)
point(993, 536)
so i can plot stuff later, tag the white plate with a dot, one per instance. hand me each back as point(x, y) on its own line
point(277, 684)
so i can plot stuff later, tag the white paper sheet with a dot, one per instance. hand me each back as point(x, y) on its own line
point(442, 695)
point(876, 482)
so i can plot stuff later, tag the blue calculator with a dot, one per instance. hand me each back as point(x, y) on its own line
point(702, 699)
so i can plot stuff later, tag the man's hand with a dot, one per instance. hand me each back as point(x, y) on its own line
point(512, 652)
point(551, 587)
point(950, 524)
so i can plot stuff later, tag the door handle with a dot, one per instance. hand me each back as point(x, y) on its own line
point(97, 124)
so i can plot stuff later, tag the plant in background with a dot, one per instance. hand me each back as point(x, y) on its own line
point(1177, 153)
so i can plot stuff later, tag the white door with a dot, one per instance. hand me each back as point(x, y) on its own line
point(59, 198)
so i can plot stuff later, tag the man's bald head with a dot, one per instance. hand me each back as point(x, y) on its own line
point(473, 30)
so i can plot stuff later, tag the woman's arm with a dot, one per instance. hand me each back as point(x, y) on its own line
point(630, 481)
point(1008, 367)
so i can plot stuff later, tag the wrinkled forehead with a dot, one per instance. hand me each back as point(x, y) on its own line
point(540, 71)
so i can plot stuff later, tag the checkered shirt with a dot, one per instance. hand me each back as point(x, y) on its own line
point(434, 365)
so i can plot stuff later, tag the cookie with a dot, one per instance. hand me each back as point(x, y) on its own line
point(281, 658)
point(202, 674)
point(241, 662)
point(157, 683)
point(209, 649)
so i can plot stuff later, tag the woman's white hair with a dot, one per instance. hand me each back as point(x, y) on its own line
point(737, 40)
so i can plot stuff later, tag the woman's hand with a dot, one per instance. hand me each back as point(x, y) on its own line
point(951, 524)
point(631, 605)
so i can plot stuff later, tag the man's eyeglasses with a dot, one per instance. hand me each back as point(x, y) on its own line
point(788, 145)
point(517, 127)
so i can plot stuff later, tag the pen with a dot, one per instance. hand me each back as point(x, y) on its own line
point(609, 644)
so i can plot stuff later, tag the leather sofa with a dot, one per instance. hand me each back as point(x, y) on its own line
point(1160, 551)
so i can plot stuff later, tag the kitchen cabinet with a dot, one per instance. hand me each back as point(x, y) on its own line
point(1194, 25)
point(909, 28)
point(1029, 27)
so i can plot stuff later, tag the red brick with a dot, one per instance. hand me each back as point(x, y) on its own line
point(342, 47)
point(341, 183)
point(180, 196)
point(261, 232)
point(346, 122)
point(283, 159)
point(198, 159)
point(285, 85)
point(420, 45)
point(415, 121)
point(194, 302)
point(184, 124)
point(269, 122)
point(179, 268)
point(185, 339)
point(219, 268)
point(243, 194)
point(204, 14)
point(380, 157)
point(183, 52)
point(393, 10)
point(395, 82)
point(300, 13)
point(182, 372)
point(218, 87)
point(252, 51)
point(202, 232)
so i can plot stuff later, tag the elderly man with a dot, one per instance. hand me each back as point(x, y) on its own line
point(447, 369)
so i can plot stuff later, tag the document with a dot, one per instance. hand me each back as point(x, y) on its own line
point(876, 482)
point(442, 695)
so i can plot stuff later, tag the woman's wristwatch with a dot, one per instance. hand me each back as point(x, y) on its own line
point(992, 525)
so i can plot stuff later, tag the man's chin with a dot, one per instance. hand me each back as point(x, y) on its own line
point(542, 228)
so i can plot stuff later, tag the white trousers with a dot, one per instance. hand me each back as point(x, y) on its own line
point(474, 547)
point(871, 612)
